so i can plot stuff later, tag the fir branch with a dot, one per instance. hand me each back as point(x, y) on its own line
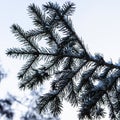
point(68, 8)
point(35, 12)
point(72, 95)
point(104, 73)
point(39, 19)
point(61, 54)
point(56, 106)
point(45, 100)
point(112, 114)
point(33, 80)
point(53, 65)
point(100, 91)
point(85, 77)
point(35, 33)
point(20, 34)
point(24, 53)
point(26, 68)
point(67, 59)
point(63, 82)
point(51, 6)
point(66, 77)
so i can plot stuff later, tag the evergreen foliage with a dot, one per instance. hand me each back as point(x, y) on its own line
point(86, 81)
point(5, 104)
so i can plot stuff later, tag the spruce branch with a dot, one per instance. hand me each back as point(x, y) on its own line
point(22, 37)
point(85, 78)
point(51, 6)
point(36, 14)
point(42, 21)
point(80, 78)
point(62, 83)
point(112, 114)
point(88, 104)
point(26, 68)
point(25, 53)
point(68, 8)
point(72, 95)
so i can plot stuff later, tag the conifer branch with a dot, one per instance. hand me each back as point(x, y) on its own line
point(19, 32)
point(40, 19)
point(15, 52)
point(26, 68)
point(61, 17)
point(80, 78)
point(110, 106)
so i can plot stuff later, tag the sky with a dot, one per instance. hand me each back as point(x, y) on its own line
point(96, 21)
